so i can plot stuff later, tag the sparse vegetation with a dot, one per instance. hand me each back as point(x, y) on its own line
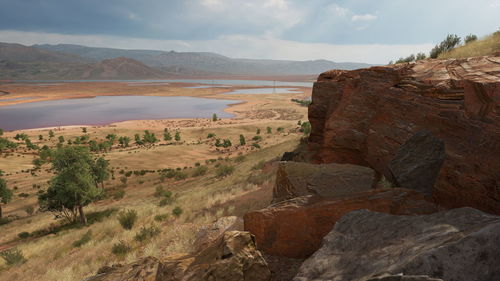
point(87, 237)
point(177, 212)
point(224, 170)
point(121, 248)
point(127, 219)
point(13, 257)
point(146, 233)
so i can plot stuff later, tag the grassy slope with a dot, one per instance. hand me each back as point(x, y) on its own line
point(203, 199)
point(482, 47)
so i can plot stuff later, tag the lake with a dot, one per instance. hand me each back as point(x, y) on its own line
point(108, 109)
point(266, 91)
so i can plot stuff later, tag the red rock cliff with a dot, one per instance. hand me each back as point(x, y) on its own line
point(364, 116)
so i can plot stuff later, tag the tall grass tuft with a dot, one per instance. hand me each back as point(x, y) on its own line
point(127, 218)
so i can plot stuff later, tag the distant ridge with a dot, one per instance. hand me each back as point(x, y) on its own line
point(56, 62)
point(205, 61)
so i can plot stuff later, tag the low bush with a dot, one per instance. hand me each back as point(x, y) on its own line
point(127, 218)
point(166, 201)
point(121, 248)
point(177, 211)
point(224, 170)
point(199, 171)
point(23, 235)
point(160, 218)
point(13, 257)
point(146, 233)
point(83, 240)
point(160, 192)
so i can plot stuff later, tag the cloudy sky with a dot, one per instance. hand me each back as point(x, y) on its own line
point(372, 31)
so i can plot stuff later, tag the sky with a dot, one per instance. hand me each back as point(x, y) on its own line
point(370, 31)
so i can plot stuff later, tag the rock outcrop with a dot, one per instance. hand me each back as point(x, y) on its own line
point(364, 116)
point(207, 234)
point(417, 162)
point(295, 179)
point(454, 245)
point(232, 257)
point(296, 227)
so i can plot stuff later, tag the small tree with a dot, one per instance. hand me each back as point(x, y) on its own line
point(100, 171)
point(40, 137)
point(84, 130)
point(1, 132)
point(124, 141)
point(450, 42)
point(61, 139)
point(214, 117)
point(5, 194)
point(269, 130)
point(421, 56)
point(111, 138)
point(177, 136)
point(469, 38)
point(51, 134)
point(258, 131)
point(242, 140)
point(74, 185)
point(167, 136)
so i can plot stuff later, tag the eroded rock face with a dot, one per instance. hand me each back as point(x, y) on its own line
point(417, 162)
point(295, 179)
point(454, 245)
point(364, 116)
point(232, 257)
point(296, 227)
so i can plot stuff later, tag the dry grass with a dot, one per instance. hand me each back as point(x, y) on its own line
point(203, 199)
point(482, 47)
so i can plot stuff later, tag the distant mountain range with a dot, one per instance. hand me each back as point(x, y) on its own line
point(65, 61)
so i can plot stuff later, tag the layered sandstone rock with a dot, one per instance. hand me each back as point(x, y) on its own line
point(232, 257)
point(295, 179)
point(454, 245)
point(207, 234)
point(295, 228)
point(364, 116)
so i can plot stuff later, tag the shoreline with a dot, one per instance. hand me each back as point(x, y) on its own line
point(60, 92)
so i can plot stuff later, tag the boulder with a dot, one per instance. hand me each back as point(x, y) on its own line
point(454, 245)
point(296, 227)
point(417, 162)
point(207, 234)
point(295, 179)
point(232, 257)
point(363, 117)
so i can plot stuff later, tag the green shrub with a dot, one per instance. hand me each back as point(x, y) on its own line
point(257, 138)
point(13, 256)
point(23, 235)
point(160, 192)
point(256, 145)
point(450, 42)
point(24, 195)
point(181, 176)
point(305, 128)
point(224, 170)
point(177, 211)
point(127, 218)
point(210, 135)
point(119, 194)
point(280, 129)
point(160, 218)
point(200, 171)
point(83, 240)
point(147, 233)
point(121, 248)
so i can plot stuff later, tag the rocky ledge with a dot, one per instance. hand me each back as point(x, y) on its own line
point(364, 116)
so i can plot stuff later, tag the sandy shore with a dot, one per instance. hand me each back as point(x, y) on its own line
point(252, 107)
